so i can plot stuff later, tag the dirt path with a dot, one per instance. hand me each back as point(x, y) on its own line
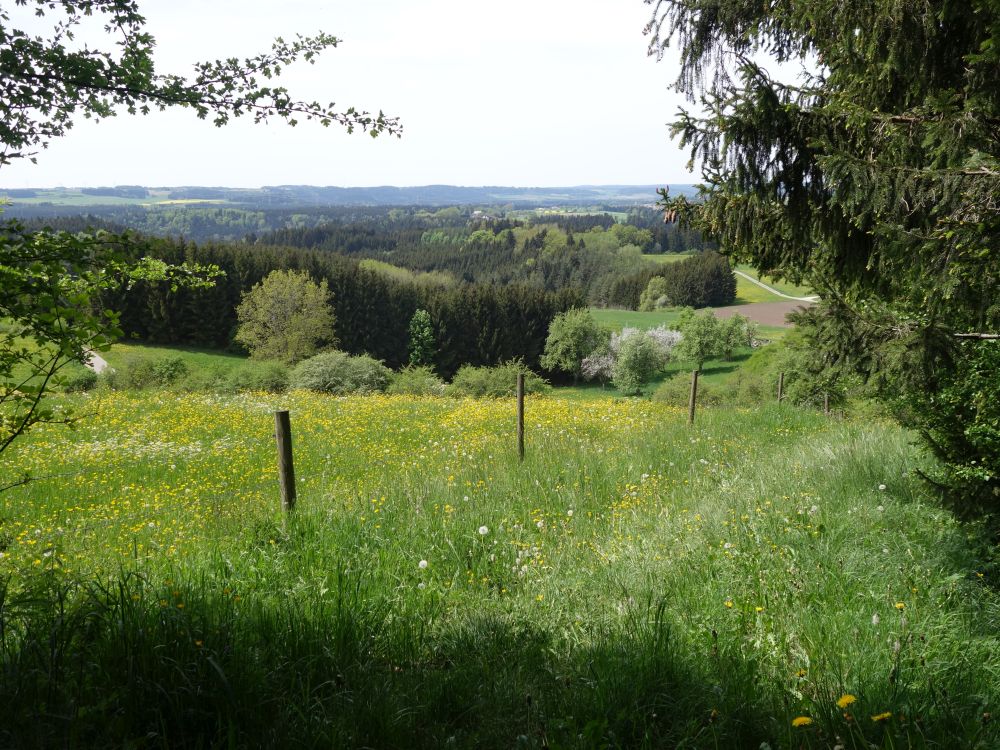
point(765, 313)
point(772, 290)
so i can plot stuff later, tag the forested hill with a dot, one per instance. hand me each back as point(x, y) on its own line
point(289, 196)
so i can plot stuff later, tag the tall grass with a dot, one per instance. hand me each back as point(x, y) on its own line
point(635, 583)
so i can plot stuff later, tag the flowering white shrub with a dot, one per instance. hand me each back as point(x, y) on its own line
point(600, 364)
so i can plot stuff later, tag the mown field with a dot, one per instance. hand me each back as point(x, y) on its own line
point(635, 583)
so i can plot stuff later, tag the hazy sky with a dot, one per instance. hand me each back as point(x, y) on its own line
point(524, 92)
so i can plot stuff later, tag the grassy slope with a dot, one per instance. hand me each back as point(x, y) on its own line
point(785, 287)
point(638, 583)
point(196, 359)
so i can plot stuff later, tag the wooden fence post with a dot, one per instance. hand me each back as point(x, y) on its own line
point(520, 416)
point(286, 472)
point(781, 386)
point(694, 396)
point(826, 404)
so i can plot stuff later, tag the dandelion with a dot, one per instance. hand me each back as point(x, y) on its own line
point(881, 488)
point(882, 716)
point(484, 530)
point(729, 604)
point(900, 605)
point(845, 700)
point(422, 565)
point(801, 721)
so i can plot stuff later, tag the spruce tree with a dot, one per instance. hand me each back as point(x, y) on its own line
point(874, 174)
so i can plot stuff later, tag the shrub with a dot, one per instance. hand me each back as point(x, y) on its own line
point(340, 374)
point(272, 377)
point(417, 381)
point(75, 377)
point(676, 391)
point(143, 372)
point(211, 379)
point(639, 359)
point(495, 382)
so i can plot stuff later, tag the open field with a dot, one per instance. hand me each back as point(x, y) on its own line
point(618, 319)
point(784, 287)
point(196, 359)
point(634, 583)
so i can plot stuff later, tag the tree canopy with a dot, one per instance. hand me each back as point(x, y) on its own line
point(286, 317)
point(874, 172)
point(48, 79)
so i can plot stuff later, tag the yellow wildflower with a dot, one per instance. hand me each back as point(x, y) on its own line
point(882, 716)
point(845, 700)
point(801, 721)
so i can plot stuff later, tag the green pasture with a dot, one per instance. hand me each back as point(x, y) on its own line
point(784, 287)
point(617, 319)
point(634, 583)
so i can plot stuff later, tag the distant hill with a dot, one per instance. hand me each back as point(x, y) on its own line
point(286, 196)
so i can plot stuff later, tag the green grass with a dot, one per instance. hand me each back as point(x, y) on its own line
point(196, 359)
point(617, 319)
point(748, 293)
point(784, 287)
point(637, 583)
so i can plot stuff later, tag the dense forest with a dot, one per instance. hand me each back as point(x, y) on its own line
point(477, 324)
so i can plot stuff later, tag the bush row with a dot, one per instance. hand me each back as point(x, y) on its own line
point(334, 372)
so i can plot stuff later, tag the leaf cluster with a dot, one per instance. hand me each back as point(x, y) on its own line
point(48, 79)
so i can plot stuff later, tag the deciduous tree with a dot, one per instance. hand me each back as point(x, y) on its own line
point(286, 317)
point(573, 335)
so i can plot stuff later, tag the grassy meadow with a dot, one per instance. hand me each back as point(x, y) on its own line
point(634, 583)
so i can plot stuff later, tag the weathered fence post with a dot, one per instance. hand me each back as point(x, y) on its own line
point(286, 472)
point(520, 416)
point(826, 404)
point(694, 396)
point(781, 386)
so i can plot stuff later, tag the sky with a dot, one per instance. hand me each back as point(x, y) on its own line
point(522, 93)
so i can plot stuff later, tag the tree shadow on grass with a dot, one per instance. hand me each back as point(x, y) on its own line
point(114, 666)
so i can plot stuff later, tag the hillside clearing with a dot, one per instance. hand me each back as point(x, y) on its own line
point(636, 578)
